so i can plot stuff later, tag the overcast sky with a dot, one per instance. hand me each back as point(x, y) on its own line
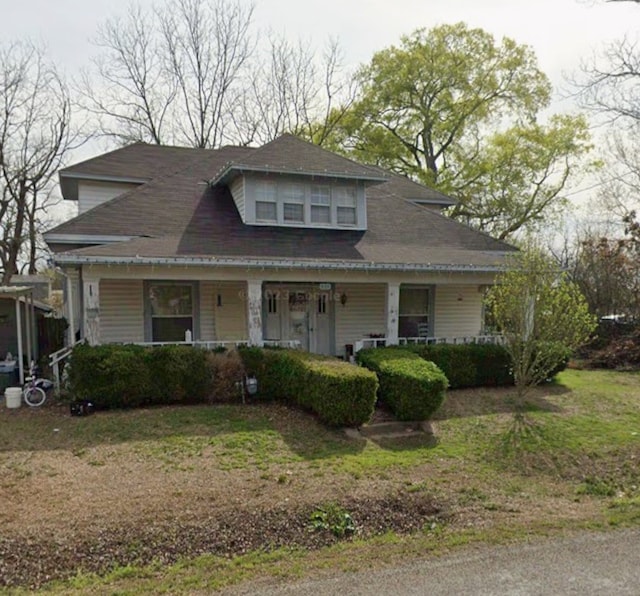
point(562, 32)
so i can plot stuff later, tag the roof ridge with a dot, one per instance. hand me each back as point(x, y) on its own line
point(306, 143)
point(153, 146)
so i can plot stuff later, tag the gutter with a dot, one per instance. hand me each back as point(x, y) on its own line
point(241, 169)
point(56, 238)
point(63, 259)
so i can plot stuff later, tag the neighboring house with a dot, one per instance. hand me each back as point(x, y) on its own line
point(21, 311)
point(286, 242)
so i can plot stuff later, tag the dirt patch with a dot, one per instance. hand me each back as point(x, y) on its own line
point(31, 559)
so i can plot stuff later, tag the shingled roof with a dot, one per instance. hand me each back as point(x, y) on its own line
point(289, 155)
point(177, 215)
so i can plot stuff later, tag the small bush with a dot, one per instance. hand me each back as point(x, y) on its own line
point(226, 370)
point(469, 365)
point(332, 518)
point(412, 387)
point(339, 393)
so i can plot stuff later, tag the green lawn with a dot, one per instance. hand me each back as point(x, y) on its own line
point(575, 466)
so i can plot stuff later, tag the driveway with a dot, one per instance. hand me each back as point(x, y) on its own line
point(586, 563)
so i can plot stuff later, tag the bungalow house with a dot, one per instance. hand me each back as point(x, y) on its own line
point(284, 243)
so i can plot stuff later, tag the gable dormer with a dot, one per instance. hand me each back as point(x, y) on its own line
point(292, 183)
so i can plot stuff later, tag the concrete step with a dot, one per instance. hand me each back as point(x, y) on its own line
point(394, 429)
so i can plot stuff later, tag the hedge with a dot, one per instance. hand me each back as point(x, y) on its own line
point(339, 393)
point(412, 387)
point(469, 365)
point(127, 376)
point(476, 365)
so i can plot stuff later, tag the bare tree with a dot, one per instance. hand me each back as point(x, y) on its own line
point(193, 72)
point(34, 138)
point(206, 48)
point(170, 75)
point(610, 83)
point(294, 89)
point(131, 92)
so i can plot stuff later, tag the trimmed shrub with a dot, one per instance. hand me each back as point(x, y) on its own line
point(127, 376)
point(179, 374)
point(339, 393)
point(412, 387)
point(469, 365)
point(110, 376)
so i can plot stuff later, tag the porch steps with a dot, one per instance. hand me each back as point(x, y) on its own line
point(394, 429)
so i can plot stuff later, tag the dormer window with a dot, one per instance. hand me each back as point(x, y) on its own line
point(300, 201)
point(266, 201)
point(345, 205)
point(293, 195)
point(321, 204)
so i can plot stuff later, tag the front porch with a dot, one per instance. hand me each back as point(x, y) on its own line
point(328, 317)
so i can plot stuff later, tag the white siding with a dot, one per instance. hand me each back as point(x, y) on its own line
point(364, 312)
point(231, 316)
point(208, 297)
point(121, 311)
point(91, 194)
point(458, 311)
point(237, 192)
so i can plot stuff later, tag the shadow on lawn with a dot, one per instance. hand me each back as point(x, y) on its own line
point(258, 426)
point(480, 401)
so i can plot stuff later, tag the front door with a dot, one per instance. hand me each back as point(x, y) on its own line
point(299, 313)
point(298, 327)
point(321, 323)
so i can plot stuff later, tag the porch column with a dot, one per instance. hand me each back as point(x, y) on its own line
point(19, 329)
point(91, 310)
point(71, 330)
point(254, 311)
point(27, 321)
point(393, 306)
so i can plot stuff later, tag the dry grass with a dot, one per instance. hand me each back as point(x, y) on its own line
point(74, 480)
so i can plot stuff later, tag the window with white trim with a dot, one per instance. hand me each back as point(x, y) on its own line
point(321, 203)
point(171, 309)
point(413, 312)
point(266, 201)
point(293, 196)
point(345, 200)
point(298, 202)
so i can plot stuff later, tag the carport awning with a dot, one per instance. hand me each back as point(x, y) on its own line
point(18, 292)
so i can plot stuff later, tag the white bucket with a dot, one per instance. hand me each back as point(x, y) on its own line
point(13, 395)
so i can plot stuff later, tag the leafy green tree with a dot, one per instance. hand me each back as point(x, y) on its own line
point(543, 317)
point(455, 109)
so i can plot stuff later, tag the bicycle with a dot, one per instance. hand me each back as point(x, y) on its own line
point(35, 389)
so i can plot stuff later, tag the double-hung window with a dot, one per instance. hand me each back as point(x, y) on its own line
point(413, 314)
point(266, 201)
point(345, 200)
point(293, 195)
point(171, 309)
point(321, 204)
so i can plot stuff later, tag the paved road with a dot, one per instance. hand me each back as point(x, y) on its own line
point(584, 564)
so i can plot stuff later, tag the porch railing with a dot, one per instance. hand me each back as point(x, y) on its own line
point(377, 342)
point(212, 345)
point(55, 359)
